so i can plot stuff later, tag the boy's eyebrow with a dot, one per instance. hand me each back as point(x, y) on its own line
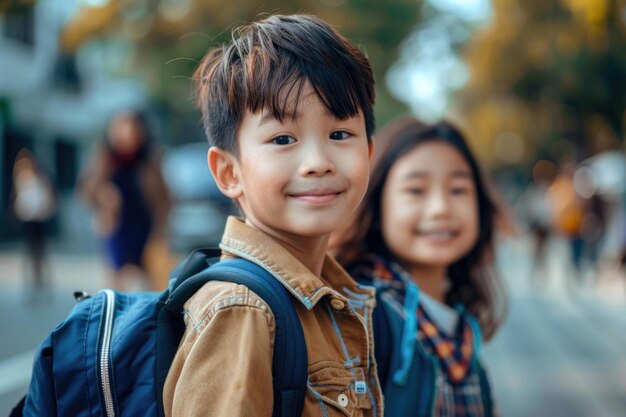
point(269, 117)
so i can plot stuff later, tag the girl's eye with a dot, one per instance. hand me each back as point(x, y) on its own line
point(459, 191)
point(339, 135)
point(283, 140)
point(415, 191)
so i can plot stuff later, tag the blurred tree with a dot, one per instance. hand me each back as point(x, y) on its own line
point(552, 72)
point(171, 36)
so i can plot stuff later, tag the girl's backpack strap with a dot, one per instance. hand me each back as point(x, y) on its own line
point(290, 361)
point(412, 393)
point(383, 339)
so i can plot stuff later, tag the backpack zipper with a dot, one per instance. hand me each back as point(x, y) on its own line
point(106, 332)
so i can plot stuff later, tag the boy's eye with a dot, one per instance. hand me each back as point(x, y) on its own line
point(339, 135)
point(283, 140)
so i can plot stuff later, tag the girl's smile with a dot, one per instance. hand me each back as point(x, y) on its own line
point(429, 207)
point(441, 237)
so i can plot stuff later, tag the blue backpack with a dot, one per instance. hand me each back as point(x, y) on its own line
point(111, 356)
point(407, 374)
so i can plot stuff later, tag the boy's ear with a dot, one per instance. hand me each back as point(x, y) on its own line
point(370, 146)
point(224, 167)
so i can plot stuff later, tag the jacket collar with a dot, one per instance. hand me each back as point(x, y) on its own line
point(246, 242)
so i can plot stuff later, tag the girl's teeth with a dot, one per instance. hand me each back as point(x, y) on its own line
point(441, 234)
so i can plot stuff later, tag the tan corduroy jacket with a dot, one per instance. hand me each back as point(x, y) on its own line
point(224, 361)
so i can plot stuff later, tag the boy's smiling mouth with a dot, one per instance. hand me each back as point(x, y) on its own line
point(316, 196)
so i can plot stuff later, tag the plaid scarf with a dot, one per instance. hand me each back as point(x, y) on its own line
point(454, 352)
point(458, 384)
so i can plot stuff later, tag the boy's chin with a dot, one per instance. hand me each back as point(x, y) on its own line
point(314, 229)
point(301, 226)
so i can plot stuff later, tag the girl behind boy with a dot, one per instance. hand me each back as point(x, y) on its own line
point(424, 238)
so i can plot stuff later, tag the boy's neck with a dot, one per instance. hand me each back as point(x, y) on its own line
point(431, 279)
point(310, 251)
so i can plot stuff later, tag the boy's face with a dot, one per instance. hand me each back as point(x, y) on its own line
point(304, 176)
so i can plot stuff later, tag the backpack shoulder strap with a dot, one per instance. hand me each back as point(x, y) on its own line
point(290, 360)
point(383, 339)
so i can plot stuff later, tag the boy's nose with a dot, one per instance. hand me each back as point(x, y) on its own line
point(316, 161)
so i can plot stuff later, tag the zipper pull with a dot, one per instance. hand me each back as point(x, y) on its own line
point(81, 295)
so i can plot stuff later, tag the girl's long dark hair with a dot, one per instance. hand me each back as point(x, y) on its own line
point(474, 282)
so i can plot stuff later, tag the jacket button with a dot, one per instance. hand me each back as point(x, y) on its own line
point(342, 399)
point(337, 304)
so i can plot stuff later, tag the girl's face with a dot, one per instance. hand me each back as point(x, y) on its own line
point(429, 206)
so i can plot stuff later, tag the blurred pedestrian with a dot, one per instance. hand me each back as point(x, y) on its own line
point(34, 205)
point(424, 237)
point(568, 212)
point(593, 229)
point(124, 185)
point(534, 207)
point(620, 216)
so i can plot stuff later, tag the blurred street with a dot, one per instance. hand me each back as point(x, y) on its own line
point(562, 349)
point(561, 352)
point(95, 94)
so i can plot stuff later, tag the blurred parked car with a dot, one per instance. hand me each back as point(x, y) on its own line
point(199, 211)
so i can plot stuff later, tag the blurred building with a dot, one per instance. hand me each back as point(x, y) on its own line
point(52, 102)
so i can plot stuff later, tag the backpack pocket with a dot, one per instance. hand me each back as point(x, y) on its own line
point(42, 398)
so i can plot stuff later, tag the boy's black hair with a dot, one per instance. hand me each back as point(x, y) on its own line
point(267, 64)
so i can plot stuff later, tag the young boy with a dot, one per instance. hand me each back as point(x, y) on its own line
point(287, 106)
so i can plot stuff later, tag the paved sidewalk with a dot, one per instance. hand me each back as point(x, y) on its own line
point(64, 270)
